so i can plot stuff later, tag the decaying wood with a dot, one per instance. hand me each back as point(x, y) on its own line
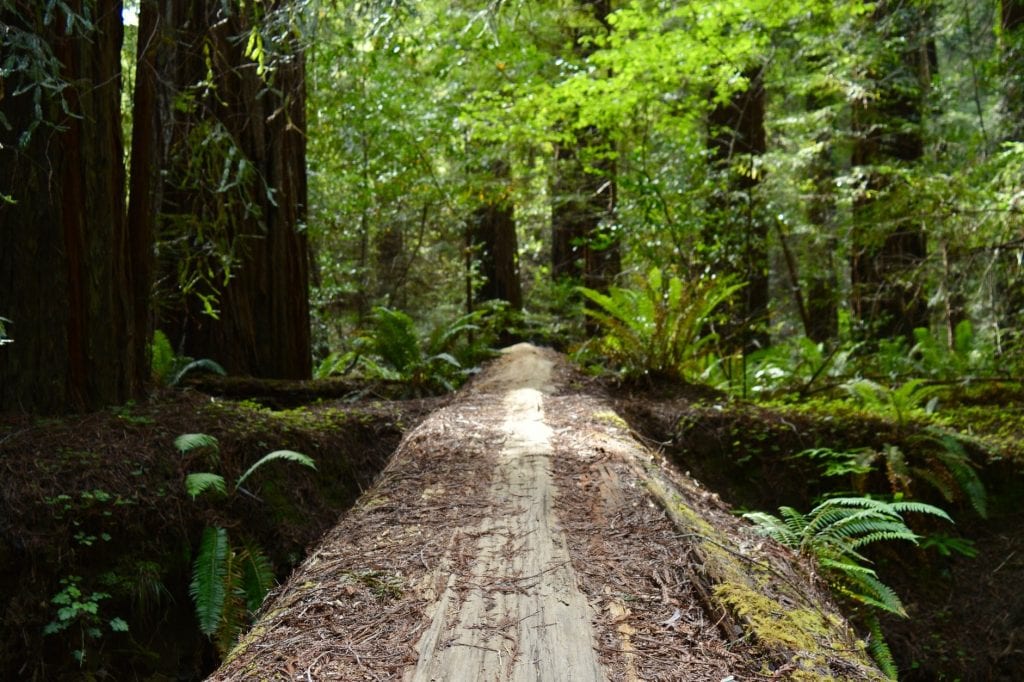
point(521, 533)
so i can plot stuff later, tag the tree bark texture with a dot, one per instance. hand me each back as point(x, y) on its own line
point(231, 194)
point(738, 228)
point(888, 244)
point(493, 241)
point(66, 261)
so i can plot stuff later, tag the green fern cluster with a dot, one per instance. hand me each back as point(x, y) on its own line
point(229, 579)
point(392, 349)
point(836, 530)
point(899, 403)
point(661, 327)
point(229, 582)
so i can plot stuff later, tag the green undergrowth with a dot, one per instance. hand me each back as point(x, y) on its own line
point(100, 535)
point(959, 447)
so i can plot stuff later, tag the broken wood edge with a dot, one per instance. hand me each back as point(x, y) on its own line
point(771, 603)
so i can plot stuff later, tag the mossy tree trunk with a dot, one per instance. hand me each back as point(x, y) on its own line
point(66, 257)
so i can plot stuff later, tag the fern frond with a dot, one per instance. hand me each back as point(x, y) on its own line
point(187, 442)
point(956, 460)
point(289, 455)
point(257, 574)
point(773, 527)
point(198, 483)
point(394, 339)
point(879, 648)
point(204, 364)
point(209, 573)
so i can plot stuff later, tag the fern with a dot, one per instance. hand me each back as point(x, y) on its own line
point(198, 483)
point(879, 648)
point(395, 340)
point(187, 442)
point(203, 364)
point(228, 581)
point(659, 327)
point(289, 455)
point(257, 575)
point(209, 573)
point(168, 368)
point(836, 529)
point(956, 463)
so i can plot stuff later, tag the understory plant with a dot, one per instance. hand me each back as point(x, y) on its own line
point(393, 349)
point(168, 368)
point(937, 459)
point(230, 577)
point(661, 326)
point(833, 534)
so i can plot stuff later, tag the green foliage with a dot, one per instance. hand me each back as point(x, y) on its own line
point(168, 368)
point(209, 576)
point(661, 327)
point(840, 462)
point(901, 403)
point(187, 442)
point(4, 338)
point(394, 350)
point(198, 483)
point(286, 455)
point(791, 367)
point(938, 459)
point(80, 609)
point(229, 580)
point(879, 648)
point(836, 529)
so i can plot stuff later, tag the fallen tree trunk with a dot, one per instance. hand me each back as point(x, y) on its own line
point(521, 533)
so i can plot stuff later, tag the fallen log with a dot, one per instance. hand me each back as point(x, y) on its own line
point(522, 533)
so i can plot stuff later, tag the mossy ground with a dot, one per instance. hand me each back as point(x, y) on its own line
point(100, 498)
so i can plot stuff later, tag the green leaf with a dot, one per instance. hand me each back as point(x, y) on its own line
point(289, 455)
point(257, 574)
point(204, 364)
point(118, 625)
point(187, 442)
point(209, 573)
point(196, 484)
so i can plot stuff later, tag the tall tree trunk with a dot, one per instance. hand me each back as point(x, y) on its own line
point(1011, 105)
point(583, 248)
point(1011, 60)
point(822, 282)
point(889, 245)
point(66, 272)
point(493, 240)
point(233, 182)
point(738, 227)
point(491, 237)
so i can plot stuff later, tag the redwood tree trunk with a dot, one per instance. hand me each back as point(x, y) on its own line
point(888, 245)
point(583, 248)
point(66, 268)
point(494, 247)
point(258, 121)
point(737, 227)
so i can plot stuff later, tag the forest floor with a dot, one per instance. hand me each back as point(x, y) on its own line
point(470, 513)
